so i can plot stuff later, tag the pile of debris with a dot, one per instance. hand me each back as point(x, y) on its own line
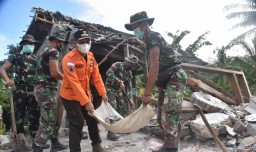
point(235, 125)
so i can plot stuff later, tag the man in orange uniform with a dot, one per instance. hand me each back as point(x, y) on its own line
point(78, 66)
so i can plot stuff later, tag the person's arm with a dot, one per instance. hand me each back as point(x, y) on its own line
point(54, 69)
point(153, 73)
point(153, 70)
point(3, 73)
point(53, 64)
point(97, 80)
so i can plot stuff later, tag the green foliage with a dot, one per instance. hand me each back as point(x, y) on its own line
point(3, 95)
point(4, 103)
point(200, 42)
point(246, 64)
point(176, 38)
point(12, 49)
point(192, 48)
point(2, 128)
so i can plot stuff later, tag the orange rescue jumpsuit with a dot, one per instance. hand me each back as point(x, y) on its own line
point(76, 81)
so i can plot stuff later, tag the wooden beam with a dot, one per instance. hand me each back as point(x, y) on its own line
point(197, 84)
point(188, 66)
point(245, 88)
point(236, 88)
point(235, 78)
point(210, 83)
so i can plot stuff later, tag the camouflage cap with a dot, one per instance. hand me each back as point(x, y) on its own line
point(138, 17)
point(81, 34)
point(58, 34)
point(29, 38)
point(132, 59)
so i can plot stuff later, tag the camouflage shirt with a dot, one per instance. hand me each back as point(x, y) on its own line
point(24, 68)
point(43, 67)
point(168, 57)
point(118, 71)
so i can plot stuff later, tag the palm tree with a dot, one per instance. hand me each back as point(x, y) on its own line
point(200, 42)
point(250, 50)
point(247, 63)
point(222, 61)
point(176, 38)
point(247, 14)
point(192, 48)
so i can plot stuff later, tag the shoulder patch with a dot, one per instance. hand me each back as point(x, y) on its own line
point(70, 66)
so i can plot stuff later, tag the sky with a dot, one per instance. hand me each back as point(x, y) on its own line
point(197, 16)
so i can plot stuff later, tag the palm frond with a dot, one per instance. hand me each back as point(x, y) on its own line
point(247, 48)
point(200, 42)
point(241, 37)
point(247, 15)
point(244, 6)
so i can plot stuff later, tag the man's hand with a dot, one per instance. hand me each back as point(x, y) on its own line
point(132, 104)
point(104, 98)
point(10, 83)
point(89, 107)
point(122, 86)
point(146, 100)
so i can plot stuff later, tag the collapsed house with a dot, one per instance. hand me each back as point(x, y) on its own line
point(104, 39)
point(108, 44)
point(232, 114)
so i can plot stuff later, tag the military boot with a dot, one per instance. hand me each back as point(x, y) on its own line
point(164, 149)
point(84, 135)
point(45, 146)
point(57, 146)
point(97, 148)
point(112, 136)
point(36, 148)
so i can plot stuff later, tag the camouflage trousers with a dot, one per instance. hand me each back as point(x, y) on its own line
point(116, 100)
point(47, 100)
point(25, 105)
point(170, 108)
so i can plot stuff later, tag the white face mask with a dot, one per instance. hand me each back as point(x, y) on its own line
point(84, 48)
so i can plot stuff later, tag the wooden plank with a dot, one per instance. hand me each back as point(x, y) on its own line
point(245, 88)
point(211, 84)
point(236, 88)
point(197, 84)
point(188, 66)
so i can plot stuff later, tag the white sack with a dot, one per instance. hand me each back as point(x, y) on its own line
point(131, 123)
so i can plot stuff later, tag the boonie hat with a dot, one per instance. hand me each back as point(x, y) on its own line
point(132, 59)
point(28, 37)
point(138, 17)
point(81, 34)
point(58, 34)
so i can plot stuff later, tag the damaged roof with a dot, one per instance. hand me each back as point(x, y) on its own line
point(104, 39)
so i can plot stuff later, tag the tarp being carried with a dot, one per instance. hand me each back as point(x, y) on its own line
point(131, 123)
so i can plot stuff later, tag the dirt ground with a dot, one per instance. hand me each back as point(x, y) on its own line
point(141, 142)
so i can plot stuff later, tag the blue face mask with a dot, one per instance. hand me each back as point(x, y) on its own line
point(27, 49)
point(138, 33)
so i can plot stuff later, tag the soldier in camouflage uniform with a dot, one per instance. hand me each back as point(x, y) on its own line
point(164, 72)
point(119, 78)
point(24, 64)
point(45, 93)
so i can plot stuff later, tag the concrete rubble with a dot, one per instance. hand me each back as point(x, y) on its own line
point(234, 125)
